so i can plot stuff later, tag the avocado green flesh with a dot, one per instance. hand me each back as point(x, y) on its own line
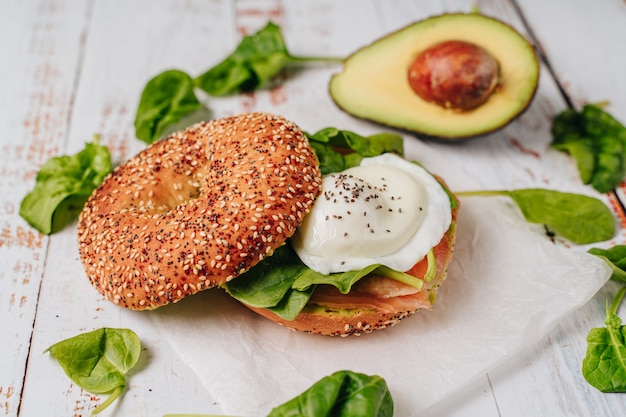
point(333, 312)
point(374, 82)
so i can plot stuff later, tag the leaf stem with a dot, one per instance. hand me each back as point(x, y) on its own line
point(617, 300)
point(482, 193)
point(317, 59)
point(114, 395)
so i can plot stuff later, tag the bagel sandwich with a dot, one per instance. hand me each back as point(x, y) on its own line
point(240, 203)
point(373, 250)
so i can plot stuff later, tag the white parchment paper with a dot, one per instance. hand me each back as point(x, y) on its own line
point(507, 286)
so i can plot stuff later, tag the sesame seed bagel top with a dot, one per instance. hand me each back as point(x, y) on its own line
point(197, 209)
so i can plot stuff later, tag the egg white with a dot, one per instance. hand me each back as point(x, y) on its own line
point(386, 211)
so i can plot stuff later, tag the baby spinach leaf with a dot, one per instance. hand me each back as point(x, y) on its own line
point(283, 284)
point(342, 281)
point(292, 303)
point(256, 60)
point(615, 257)
point(366, 146)
point(98, 361)
point(338, 150)
point(63, 185)
point(170, 95)
point(164, 101)
point(341, 394)
point(329, 159)
point(597, 141)
point(578, 218)
point(265, 285)
point(604, 365)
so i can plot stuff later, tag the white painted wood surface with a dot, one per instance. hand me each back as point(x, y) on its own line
point(71, 69)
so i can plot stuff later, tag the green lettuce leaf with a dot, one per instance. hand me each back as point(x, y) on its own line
point(63, 185)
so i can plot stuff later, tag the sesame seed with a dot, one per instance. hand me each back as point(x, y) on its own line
point(180, 203)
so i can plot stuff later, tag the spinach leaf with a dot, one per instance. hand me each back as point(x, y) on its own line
point(329, 159)
point(292, 303)
point(366, 146)
point(264, 285)
point(63, 185)
point(284, 285)
point(164, 101)
point(98, 361)
point(579, 218)
point(604, 365)
point(338, 150)
point(256, 60)
point(170, 95)
point(342, 281)
point(341, 394)
point(615, 257)
point(597, 141)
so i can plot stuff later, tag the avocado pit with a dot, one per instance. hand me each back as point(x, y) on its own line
point(454, 74)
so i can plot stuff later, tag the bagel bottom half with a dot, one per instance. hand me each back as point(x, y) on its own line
point(375, 302)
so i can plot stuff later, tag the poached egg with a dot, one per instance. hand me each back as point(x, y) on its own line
point(385, 211)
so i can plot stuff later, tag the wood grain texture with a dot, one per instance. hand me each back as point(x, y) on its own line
point(39, 43)
point(77, 69)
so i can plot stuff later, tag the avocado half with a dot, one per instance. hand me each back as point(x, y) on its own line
point(374, 82)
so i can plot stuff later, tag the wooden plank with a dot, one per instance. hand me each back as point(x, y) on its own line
point(588, 72)
point(126, 43)
point(38, 43)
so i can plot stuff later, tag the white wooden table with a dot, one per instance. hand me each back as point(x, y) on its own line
point(71, 68)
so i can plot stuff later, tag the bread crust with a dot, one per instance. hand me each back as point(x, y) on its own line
point(355, 322)
point(196, 209)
